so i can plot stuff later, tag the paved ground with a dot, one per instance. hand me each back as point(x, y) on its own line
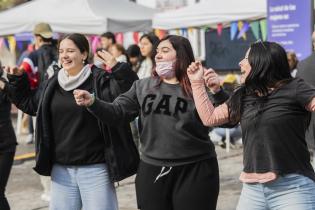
point(24, 189)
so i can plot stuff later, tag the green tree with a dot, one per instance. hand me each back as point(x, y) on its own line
point(6, 4)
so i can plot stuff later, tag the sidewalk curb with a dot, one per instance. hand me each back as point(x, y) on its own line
point(19, 159)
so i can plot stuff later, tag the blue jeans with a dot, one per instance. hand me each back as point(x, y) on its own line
point(235, 133)
point(289, 192)
point(74, 187)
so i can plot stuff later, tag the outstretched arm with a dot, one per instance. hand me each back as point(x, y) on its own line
point(124, 108)
point(209, 115)
point(311, 106)
point(19, 92)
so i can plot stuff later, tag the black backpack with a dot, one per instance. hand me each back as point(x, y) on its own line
point(47, 59)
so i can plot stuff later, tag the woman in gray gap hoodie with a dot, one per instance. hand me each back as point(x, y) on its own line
point(178, 168)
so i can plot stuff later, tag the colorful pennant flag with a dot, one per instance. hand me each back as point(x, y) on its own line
point(95, 43)
point(177, 32)
point(219, 28)
point(255, 29)
point(12, 43)
point(244, 29)
point(1, 42)
point(135, 36)
point(263, 28)
point(157, 32)
point(119, 38)
point(240, 25)
point(19, 45)
point(233, 30)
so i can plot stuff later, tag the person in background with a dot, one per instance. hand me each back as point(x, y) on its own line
point(293, 62)
point(274, 111)
point(107, 40)
point(77, 150)
point(178, 168)
point(26, 118)
point(38, 67)
point(147, 47)
point(30, 48)
point(38, 61)
point(134, 55)
point(7, 141)
point(119, 52)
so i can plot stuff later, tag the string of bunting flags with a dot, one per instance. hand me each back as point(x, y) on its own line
point(238, 30)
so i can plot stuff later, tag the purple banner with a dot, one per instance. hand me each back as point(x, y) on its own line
point(290, 24)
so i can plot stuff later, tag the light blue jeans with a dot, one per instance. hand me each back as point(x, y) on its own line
point(289, 192)
point(74, 187)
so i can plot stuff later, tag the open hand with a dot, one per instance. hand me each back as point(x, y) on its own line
point(107, 58)
point(83, 97)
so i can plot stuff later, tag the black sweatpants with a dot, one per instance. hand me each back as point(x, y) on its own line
point(6, 161)
point(193, 186)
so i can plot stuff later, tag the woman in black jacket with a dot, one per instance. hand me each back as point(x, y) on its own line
point(82, 155)
point(7, 143)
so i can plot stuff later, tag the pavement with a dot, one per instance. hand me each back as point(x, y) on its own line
point(24, 189)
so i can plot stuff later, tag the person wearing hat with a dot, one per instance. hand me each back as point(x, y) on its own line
point(36, 65)
point(37, 62)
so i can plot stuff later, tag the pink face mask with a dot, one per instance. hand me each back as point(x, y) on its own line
point(165, 69)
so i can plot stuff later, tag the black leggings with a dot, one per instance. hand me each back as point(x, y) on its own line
point(186, 187)
point(6, 161)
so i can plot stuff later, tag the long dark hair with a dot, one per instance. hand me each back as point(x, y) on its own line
point(269, 70)
point(184, 57)
point(81, 42)
point(154, 40)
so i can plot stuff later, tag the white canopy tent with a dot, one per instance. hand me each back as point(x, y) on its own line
point(81, 16)
point(210, 13)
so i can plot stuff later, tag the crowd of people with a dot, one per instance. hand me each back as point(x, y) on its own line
point(96, 114)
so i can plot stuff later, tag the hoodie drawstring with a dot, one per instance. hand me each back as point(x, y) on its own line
point(163, 174)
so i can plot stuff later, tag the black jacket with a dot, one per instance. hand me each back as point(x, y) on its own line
point(120, 152)
point(7, 135)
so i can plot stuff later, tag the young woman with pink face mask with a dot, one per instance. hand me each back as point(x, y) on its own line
point(178, 168)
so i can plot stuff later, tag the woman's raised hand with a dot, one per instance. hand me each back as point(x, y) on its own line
point(13, 70)
point(107, 58)
point(212, 80)
point(195, 71)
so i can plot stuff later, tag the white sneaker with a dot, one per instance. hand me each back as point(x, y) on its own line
point(30, 139)
point(45, 197)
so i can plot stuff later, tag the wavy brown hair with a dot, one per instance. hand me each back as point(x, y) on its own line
point(184, 57)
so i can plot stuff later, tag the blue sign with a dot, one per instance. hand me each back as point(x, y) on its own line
point(290, 24)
